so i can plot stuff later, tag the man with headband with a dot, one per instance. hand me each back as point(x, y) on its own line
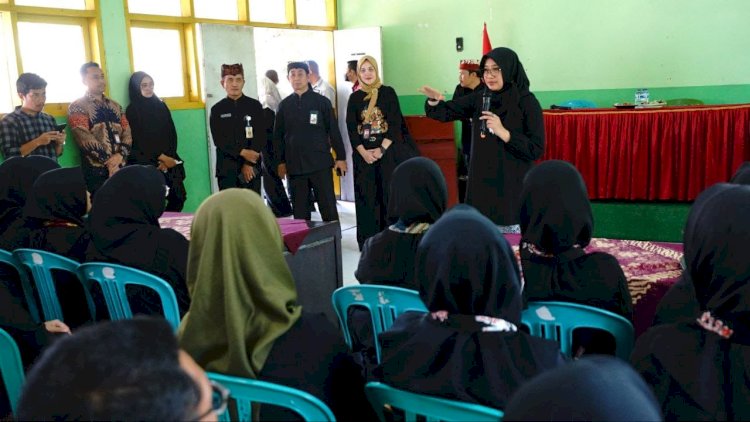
point(305, 131)
point(238, 129)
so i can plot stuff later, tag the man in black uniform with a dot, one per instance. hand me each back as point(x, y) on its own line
point(468, 82)
point(238, 128)
point(305, 131)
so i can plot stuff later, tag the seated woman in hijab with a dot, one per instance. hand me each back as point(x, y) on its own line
point(244, 319)
point(57, 206)
point(698, 363)
point(418, 197)
point(742, 176)
point(17, 176)
point(468, 347)
point(556, 226)
point(124, 228)
point(598, 388)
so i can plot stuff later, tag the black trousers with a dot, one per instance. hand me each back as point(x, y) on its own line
point(321, 182)
point(371, 185)
point(94, 176)
point(275, 192)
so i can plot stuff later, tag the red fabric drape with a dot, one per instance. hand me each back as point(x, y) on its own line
point(650, 154)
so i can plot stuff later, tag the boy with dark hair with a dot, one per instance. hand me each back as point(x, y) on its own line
point(28, 129)
point(118, 370)
point(305, 131)
point(238, 129)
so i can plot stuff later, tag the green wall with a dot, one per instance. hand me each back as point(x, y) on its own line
point(597, 49)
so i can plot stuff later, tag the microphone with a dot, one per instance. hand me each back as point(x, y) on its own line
point(485, 107)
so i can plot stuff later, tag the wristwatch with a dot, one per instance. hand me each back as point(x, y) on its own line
point(382, 149)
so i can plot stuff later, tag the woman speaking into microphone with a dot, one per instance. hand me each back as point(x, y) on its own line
point(506, 143)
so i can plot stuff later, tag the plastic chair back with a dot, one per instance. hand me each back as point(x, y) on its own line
point(684, 102)
point(245, 392)
point(28, 291)
point(11, 368)
point(114, 278)
point(557, 321)
point(384, 303)
point(430, 407)
point(40, 264)
point(579, 104)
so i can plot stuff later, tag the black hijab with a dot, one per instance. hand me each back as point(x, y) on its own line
point(556, 224)
point(153, 128)
point(597, 388)
point(418, 192)
point(710, 368)
point(124, 218)
point(465, 266)
point(418, 198)
point(59, 194)
point(17, 176)
point(510, 66)
point(468, 347)
point(742, 176)
point(58, 205)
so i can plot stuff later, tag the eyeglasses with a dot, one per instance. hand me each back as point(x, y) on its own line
point(492, 71)
point(219, 400)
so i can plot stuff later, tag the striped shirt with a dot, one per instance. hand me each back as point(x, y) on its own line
point(18, 128)
point(100, 129)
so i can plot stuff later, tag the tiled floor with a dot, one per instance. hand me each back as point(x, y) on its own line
point(349, 248)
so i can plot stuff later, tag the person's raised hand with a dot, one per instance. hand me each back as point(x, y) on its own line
point(432, 93)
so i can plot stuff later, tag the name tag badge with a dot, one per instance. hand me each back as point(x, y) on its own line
point(226, 115)
point(249, 132)
point(117, 138)
point(366, 131)
point(313, 117)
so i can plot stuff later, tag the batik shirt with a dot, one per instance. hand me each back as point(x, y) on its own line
point(100, 128)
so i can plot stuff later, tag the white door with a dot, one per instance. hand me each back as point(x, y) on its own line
point(351, 44)
point(224, 44)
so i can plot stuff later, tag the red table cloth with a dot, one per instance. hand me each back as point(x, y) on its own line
point(670, 153)
point(293, 232)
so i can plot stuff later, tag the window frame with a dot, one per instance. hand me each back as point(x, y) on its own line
point(89, 20)
point(187, 24)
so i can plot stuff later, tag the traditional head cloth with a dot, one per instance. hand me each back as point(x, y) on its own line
point(59, 194)
point(17, 176)
point(371, 89)
point(243, 295)
point(706, 354)
point(470, 65)
point(555, 209)
point(232, 69)
point(124, 218)
point(466, 267)
point(418, 192)
point(468, 347)
point(742, 176)
point(597, 388)
point(510, 66)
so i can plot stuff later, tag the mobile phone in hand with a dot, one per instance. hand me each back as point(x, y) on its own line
point(61, 127)
point(339, 173)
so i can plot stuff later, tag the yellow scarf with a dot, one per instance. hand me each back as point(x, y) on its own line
point(371, 89)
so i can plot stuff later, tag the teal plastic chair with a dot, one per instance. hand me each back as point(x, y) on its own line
point(430, 407)
point(579, 104)
point(40, 264)
point(28, 291)
point(384, 303)
point(557, 321)
point(113, 279)
point(11, 368)
point(244, 392)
